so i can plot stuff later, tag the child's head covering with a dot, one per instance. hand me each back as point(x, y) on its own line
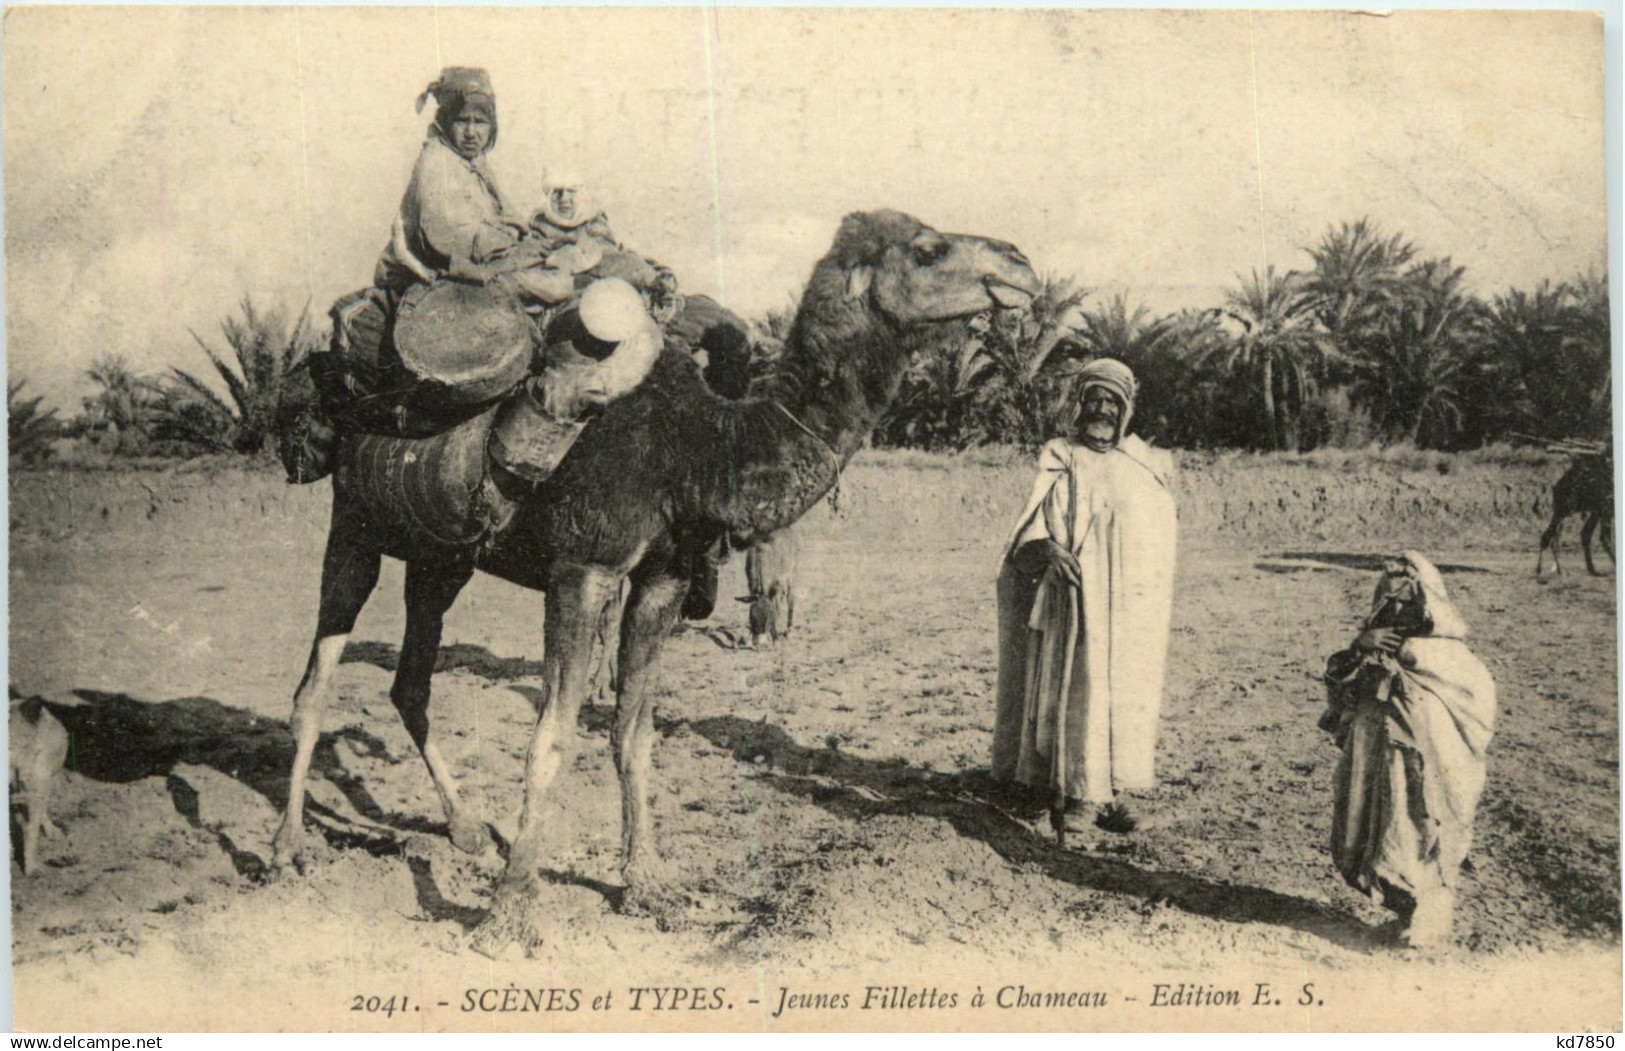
point(1412, 576)
point(586, 208)
point(461, 89)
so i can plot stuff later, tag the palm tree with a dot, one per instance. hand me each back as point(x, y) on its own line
point(267, 353)
point(1279, 345)
point(1186, 400)
point(1114, 331)
point(1591, 338)
point(1550, 351)
point(934, 406)
point(1012, 375)
point(123, 402)
point(29, 432)
point(1412, 365)
point(1357, 278)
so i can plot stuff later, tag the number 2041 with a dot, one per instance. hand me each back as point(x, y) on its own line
point(381, 1005)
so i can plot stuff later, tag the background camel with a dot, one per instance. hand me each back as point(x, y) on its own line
point(665, 473)
point(1587, 488)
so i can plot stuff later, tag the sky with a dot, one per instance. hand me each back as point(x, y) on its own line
point(162, 163)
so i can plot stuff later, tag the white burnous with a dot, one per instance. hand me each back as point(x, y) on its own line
point(1085, 595)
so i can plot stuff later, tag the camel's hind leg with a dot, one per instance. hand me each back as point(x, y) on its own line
point(349, 573)
point(651, 611)
point(431, 588)
point(575, 600)
point(1586, 532)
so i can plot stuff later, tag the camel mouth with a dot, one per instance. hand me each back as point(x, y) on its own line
point(1006, 295)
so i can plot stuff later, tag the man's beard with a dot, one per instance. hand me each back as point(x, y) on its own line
point(1099, 431)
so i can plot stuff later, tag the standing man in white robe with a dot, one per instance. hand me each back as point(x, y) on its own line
point(1085, 595)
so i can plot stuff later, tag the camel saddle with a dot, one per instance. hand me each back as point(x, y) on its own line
point(454, 488)
point(527, 408)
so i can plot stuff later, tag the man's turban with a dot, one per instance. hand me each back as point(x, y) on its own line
point(1113, 375)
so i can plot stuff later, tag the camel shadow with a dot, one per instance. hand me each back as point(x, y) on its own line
point(464, 655)
point(117, 739)
point(435, 904)
point(857, 789)
point(595, 715)
point(1349, 560)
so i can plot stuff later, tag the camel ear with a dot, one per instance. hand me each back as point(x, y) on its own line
point(864, 236)
point(856, 242)
point(858, 280)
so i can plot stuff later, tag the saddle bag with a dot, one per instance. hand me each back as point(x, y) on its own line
point(423, 491)
point(358, 363)
point(529, 441)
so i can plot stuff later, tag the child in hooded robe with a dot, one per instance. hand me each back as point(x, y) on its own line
point(1412, 710)
point(574, 223)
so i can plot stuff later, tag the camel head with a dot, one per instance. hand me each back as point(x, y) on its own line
point(889, 288)
point(912, 275)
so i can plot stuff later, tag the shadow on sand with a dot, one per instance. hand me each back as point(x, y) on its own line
point(856, 789)
point(117, 739)
point(476, 659)
point(1349, 560)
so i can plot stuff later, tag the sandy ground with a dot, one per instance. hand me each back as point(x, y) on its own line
point(822, 805)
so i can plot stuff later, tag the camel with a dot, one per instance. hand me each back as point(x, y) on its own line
point(1587, 488)
point(649, 486)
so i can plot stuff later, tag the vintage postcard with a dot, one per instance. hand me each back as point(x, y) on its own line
point(554, 519)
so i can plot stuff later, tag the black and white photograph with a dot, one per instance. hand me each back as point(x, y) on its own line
point(550, 519)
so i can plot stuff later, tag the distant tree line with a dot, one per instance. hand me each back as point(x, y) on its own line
point(1374, 343)
point(180, 413)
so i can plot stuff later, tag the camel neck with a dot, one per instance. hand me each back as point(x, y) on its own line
point(837, 377)
point(804, 422)
point(841, 371)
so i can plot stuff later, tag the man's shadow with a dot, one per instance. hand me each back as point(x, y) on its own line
point(856, 789)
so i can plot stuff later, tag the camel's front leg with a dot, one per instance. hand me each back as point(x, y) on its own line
point(575, 598)
point(1550, 540)
point(431, 588)
point(651, 612)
